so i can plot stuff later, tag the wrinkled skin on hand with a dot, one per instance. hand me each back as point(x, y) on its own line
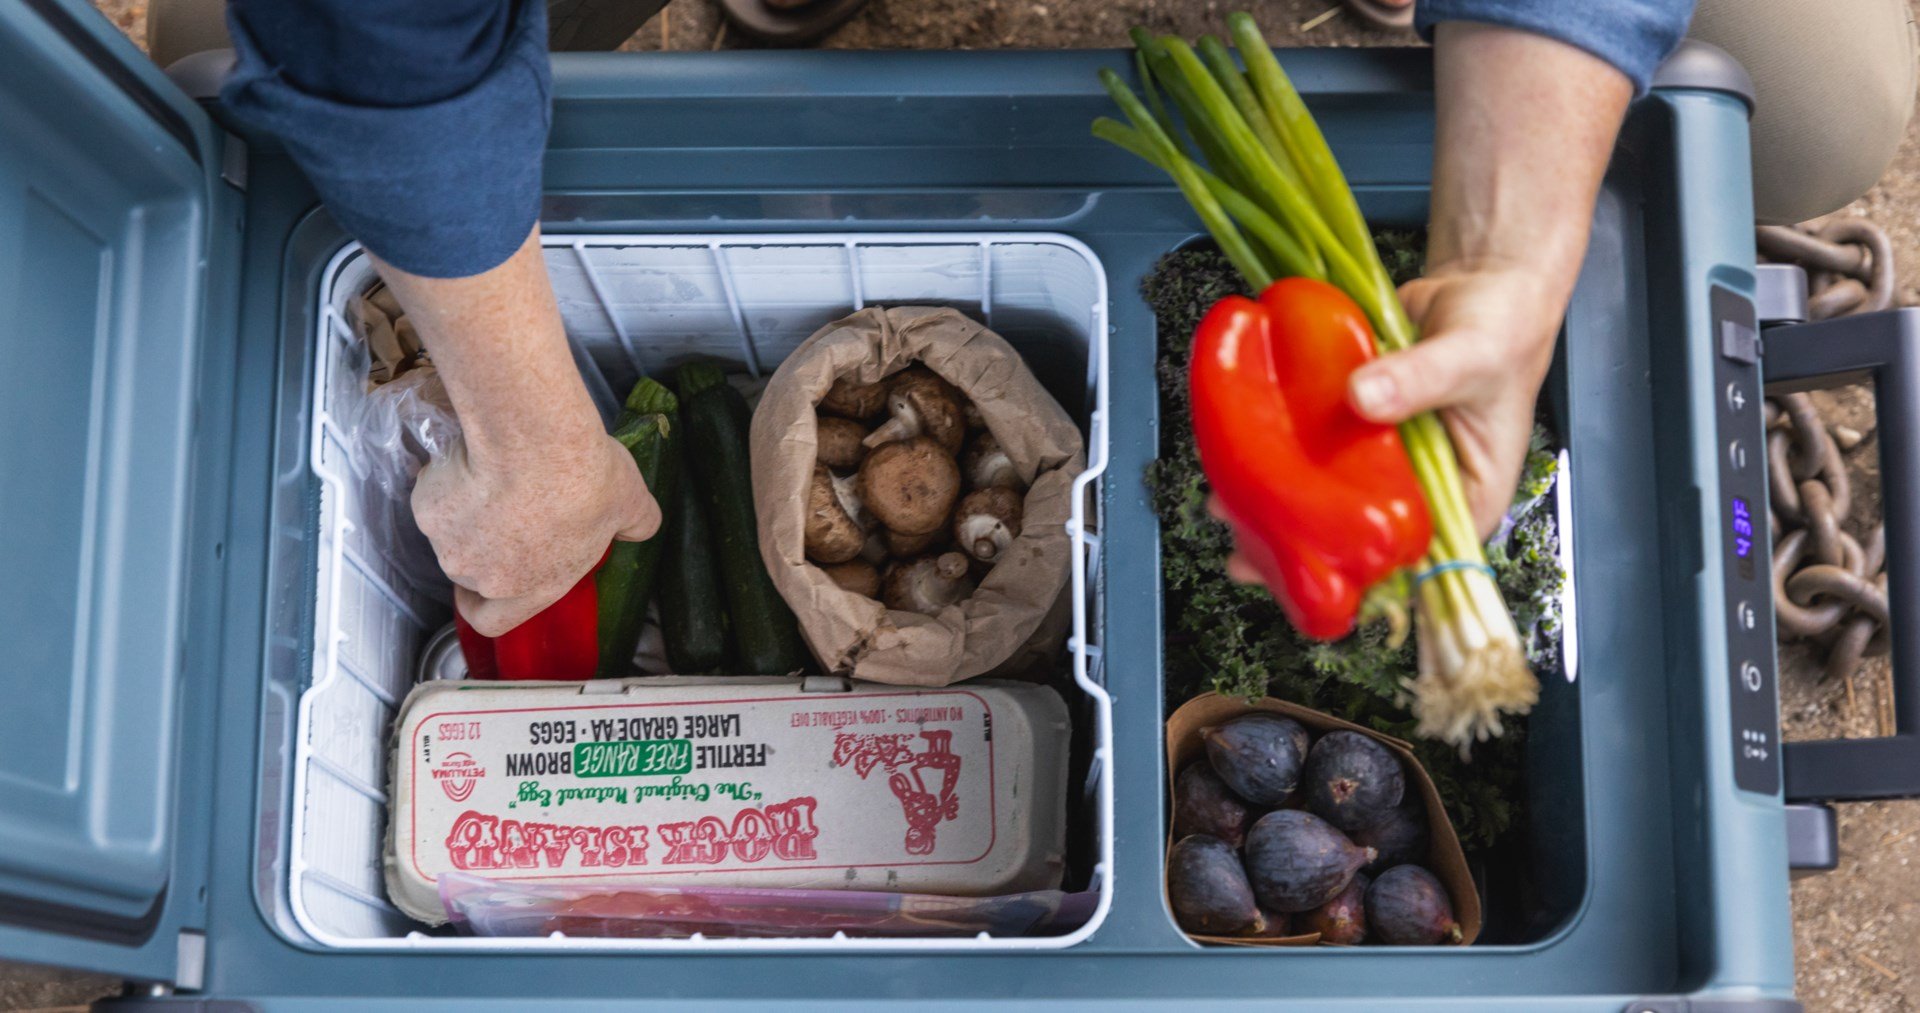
point(515, 537)
point(1486, 342)
point(529, 499)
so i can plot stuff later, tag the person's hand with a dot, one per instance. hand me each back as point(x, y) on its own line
point(1524, 128)
point(530, 497)
point(1523, 131)
point(1488, 339)
point(1486, 342)
point(515, 535)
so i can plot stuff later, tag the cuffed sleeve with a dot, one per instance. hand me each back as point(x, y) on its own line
point(1632, 35)
point(422, 123)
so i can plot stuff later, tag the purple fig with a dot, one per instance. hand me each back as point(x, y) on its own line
point(1353, 781)
point(1399, 839)
point(1278, 924)
point(1258, 755)
point(1407, 906)
point(1297, 861)
point(1342, 920)
point(1202, 804)
point(1208, 888)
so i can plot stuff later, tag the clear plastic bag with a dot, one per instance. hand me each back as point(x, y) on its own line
point(488, 907)
point(392, 432)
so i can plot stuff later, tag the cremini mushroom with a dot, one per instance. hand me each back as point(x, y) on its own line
point(919, 403)
point(927, 584)
point(910, 485)
point(856, 575)
point(875, 549)
point(851, 399)
point(986, 522)
point(986, 465)
point(839, 440)
point(901, 546)
point(834, 533)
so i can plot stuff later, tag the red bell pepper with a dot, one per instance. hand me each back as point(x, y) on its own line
point(560, 643)
point(1323, 503)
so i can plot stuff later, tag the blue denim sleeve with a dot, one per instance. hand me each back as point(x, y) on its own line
point(1633, 35)
point(421, 123)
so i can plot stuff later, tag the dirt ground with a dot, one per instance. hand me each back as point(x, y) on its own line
point(1857, 930)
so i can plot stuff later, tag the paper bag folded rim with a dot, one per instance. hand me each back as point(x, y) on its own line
point(855, 635)
point(1444, 857)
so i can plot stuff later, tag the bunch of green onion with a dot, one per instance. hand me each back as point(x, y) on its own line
point(1269, 191)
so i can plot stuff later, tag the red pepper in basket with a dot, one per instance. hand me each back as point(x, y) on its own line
point(1323, 502)
point(560, 643)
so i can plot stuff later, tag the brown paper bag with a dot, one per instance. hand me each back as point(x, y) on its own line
point(1444, 857)
point(853, 634)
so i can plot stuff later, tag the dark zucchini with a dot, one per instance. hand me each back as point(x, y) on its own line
point(693, 612)
point(765, 635)
point(625, 582)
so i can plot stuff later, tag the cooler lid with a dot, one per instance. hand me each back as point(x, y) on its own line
point(106, 212)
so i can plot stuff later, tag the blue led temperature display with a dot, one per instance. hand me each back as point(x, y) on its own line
point(1742, 523)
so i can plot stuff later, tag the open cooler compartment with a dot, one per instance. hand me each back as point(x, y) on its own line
point(642, 305)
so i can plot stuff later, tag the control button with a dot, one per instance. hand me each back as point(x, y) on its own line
point(1745, 617)
point(1739, 342)
point(1736, 398)
point(1750, 676)
point(1737, 455)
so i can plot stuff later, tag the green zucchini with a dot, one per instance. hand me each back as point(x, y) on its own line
point(693, 613)
point(626, 579)
point(765, 635)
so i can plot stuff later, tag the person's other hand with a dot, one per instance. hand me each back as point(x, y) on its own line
point(530, 497)
point(1486, 341)
point(515, 534)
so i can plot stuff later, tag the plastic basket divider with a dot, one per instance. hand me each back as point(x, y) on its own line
point(747, 349)
point(853, 272)
point(606, 305)
point(986, 283)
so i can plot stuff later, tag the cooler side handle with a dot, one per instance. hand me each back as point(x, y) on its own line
point(1882, 347)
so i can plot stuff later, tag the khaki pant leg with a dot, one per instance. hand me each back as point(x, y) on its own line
point(181, 28)
point(1834, 83)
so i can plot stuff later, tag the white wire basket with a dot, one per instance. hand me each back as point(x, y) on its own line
point(641, 305)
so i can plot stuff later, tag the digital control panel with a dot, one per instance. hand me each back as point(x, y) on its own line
point(1741, 432)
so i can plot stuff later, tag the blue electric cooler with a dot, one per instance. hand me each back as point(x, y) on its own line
point(204, 644)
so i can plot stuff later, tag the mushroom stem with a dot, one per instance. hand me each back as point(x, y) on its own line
point(928, 584)
point(987, 521)
point(922, 404)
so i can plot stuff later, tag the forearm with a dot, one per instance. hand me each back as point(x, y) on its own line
point(1525, 127)
point(496, 339)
